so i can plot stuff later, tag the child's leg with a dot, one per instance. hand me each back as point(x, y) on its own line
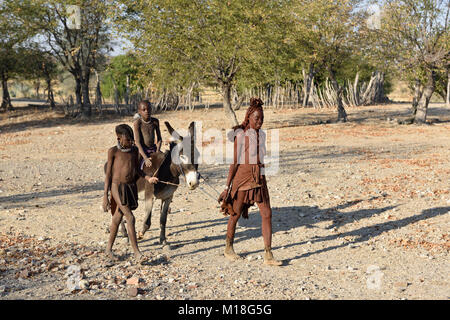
point(266, 219)
point(238, 205)
point(115, 222)
point(231, 227)
point(129, 218)
point(266, 222)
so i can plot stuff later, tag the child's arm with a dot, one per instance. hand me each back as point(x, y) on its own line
point(108, 176)
point(137, 141)
point(158, 135)
point(233, 167)
point(142, 174)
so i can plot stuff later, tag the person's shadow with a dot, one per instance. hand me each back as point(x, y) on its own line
point(359, 235)
point(285, 219)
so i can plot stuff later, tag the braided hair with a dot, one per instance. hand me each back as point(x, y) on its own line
point(124, 129)
point(255, 105)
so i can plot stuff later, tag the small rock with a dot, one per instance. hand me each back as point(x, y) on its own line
point(83, 284)
point(132, 292)
point(208, 292)
point(24, 274)
point(133, 281)
point(401, 286)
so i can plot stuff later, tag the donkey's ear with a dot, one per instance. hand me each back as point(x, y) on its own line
point(192, 128)
point(175, 136)
point(169, 127)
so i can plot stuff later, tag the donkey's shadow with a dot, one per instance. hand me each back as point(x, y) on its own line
point(284, 219)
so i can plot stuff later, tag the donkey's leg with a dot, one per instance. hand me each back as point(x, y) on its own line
point(149, 197)
point(163, 219)
point(123, 229)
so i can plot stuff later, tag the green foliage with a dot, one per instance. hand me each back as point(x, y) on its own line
point(201, 41)
point(14, 33)
point(414, 38)
point(117, 71)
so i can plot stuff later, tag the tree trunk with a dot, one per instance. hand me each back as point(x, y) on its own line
point(98, 93)
point(422, 106)
point(127, 92)
point(116, 98)
point(448, 89)
point(50, 97)
point(307, 86)
point(342, 114)
point(86, 105)
point(6, 100)
point(37, 87)
point(355, 90)
point(78, 97)
point(417, 95)
point(226, 92)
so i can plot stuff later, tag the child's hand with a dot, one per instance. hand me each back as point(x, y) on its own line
point(151, 179)
point(223, 195)
point(106, 204)
point(148, 162)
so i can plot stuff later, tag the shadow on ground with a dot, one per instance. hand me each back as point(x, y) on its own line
point(286, 219)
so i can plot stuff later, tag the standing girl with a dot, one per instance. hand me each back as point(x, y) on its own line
point(246, 181)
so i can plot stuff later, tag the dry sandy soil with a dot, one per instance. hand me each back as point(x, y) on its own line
point(360, 211)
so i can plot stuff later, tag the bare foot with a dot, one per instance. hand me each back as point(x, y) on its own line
point(139, 257)
point(231, 255)
point(140, 235)
point(111, 256)
point(270, 260)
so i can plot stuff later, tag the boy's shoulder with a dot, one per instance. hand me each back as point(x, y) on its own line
point(154, 120)
point(113, 149)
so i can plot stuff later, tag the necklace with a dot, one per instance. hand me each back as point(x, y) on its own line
point(122, 148)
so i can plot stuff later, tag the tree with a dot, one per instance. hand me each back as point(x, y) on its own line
point(14, 33)
point(415, 37)
point(42, 65)
point(325, 35)
point(118, 70)
point(76, 33)
point(208, 42)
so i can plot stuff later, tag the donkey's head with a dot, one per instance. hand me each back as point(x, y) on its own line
point(184, 154)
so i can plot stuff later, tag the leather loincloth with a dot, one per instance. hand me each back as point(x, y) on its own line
point(128, 194)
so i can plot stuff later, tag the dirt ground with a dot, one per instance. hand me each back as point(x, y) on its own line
point(360, 211)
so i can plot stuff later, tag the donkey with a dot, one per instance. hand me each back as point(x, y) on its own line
point(168, 166)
